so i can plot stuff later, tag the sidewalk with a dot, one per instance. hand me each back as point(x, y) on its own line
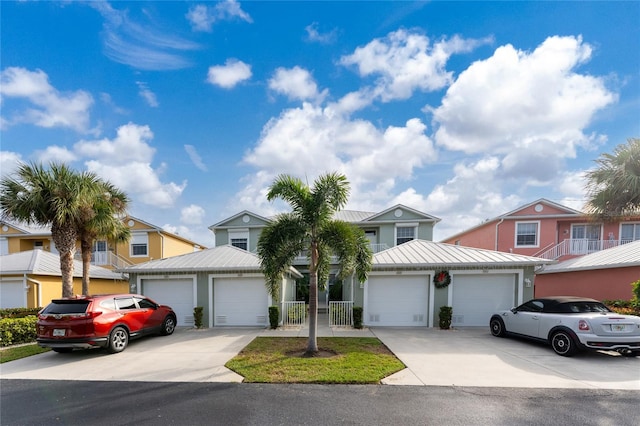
point(323, 330)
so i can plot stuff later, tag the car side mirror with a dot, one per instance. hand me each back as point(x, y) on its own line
point(514, 310)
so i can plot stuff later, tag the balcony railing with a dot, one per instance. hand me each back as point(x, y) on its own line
point(578, 247)
point(375, 248)
point(106, 259)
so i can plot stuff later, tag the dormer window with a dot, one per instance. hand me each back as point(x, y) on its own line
point(405, 233)
point(239, 238)
point(139, 244)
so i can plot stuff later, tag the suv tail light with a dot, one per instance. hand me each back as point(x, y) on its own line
point(583, 325)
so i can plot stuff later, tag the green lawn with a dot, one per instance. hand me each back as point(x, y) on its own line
point(363, 360)
point(17, 352)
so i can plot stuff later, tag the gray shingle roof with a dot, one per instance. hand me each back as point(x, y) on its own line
point(429, 254)
point(40, 262)
point(617, 257)
point(217, 259)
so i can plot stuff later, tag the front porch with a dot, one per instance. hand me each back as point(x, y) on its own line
point(336, 321)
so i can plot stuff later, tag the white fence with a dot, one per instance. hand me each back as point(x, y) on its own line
point(340, 314)
point(293, 313)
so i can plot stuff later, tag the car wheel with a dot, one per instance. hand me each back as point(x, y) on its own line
point(62, 350)
point(563, 344)
point(118, 340)
point(497, 327)
point(168, 325)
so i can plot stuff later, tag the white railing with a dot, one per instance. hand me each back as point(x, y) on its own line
point(293, 313)
point(579, 247)
point(108, 259)
point(340, 314)
point(376, 248)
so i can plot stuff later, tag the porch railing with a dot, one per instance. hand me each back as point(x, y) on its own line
point(579, 247)
point(294, 313)
point(340, 314)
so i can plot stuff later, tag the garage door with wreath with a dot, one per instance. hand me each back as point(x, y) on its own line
point(477, 296)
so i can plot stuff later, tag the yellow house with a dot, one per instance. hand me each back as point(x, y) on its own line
point(32, 279)
point(148, 242)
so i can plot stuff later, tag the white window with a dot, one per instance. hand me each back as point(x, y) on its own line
point(139, 245)
point(4, 246)
point(629, 232)
point(405, 233)
point(527, 234)
point(239, 238)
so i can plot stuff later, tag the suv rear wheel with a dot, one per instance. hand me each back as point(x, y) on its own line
point(118, 340)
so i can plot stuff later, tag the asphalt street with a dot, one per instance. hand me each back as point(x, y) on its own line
point(44, 402)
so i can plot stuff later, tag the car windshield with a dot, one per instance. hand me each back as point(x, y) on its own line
point(582, 307)
point(66, 307)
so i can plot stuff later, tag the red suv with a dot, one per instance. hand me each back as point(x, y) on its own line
point(107, 321)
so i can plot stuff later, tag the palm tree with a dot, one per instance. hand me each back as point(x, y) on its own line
point(55, 197)
point(614, 186)
point(102, 219)
point(311, 227)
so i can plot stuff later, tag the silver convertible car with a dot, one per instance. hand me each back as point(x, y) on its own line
point(570, 324)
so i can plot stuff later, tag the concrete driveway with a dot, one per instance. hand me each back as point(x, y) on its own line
point(188, 355)
point(463, 357)
point(473, 357)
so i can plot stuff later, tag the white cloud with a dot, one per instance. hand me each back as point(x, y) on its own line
point(54, 153)
point(146, 94)
point(192, 215)
point(50, 107)
point(126, 162)
point(314, 35)
point(406, 61)
point(529, 106)
point(195, 157)
point(203, 17)
point(296, 83)
point(9, 162)
point(141, 46)
point(230, 74)
point(310, 141)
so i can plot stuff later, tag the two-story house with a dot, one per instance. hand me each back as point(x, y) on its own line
point(147, 242)
point(552, 231)
point(404, 288)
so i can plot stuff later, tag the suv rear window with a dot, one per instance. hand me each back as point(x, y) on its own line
point(66, 307)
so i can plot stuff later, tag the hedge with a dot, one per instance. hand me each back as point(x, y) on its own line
point(17, 330)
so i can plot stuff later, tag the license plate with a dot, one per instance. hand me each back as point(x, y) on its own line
point(617, 327)
point(59, 332)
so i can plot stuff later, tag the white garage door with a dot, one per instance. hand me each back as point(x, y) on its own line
point(397, 301)
point(240, 301)
point(12, 294)
point(177, 293)
point(477, 297)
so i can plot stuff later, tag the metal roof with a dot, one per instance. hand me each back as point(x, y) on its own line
point(216, 259)
point(429, 254)
point(616, 257)
point(40, 262)
point(352, 216)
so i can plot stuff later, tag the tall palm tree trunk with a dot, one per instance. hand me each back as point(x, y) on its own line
point(85, 248)
point(65, 240)
point(312, 344)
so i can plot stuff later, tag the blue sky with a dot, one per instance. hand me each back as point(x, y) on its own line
point(463, 110)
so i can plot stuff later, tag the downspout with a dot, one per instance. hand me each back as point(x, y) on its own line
point(39, 293)
point(497, 231)
point(161, 244)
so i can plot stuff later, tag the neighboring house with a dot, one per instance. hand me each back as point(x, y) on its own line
point(548, 230)
point(147, 242)
point(605, 275)
point(32, 279)
point(226, 281)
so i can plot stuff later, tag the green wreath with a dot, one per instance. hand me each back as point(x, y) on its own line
point(442, 279)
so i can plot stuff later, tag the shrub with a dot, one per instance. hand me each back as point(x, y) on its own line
point(18, 312)
point(274, 316)
point(446, 312)
point(197, 316)
point(357, 317)
point(17, 330)
point(636, 293)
